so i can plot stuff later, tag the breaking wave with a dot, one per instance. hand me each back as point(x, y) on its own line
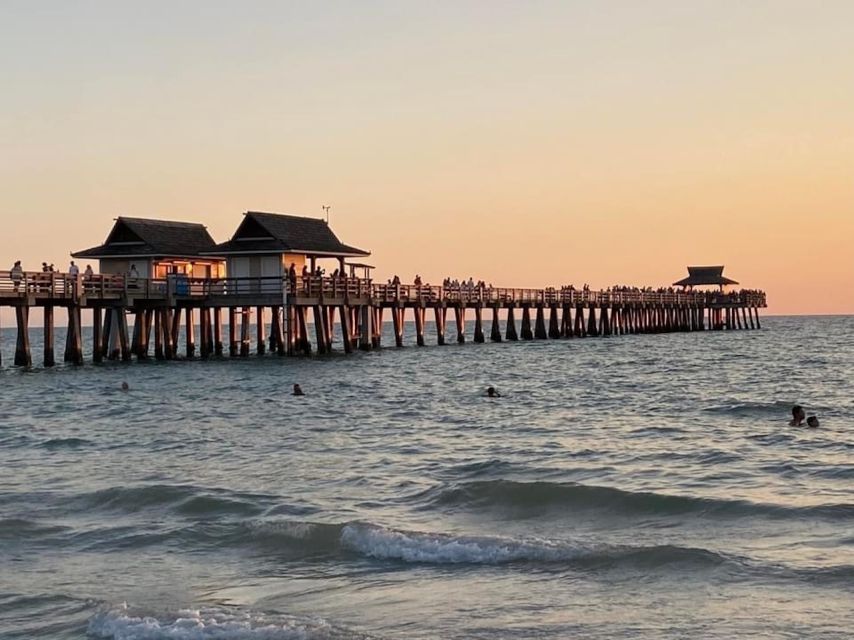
point(123, 623)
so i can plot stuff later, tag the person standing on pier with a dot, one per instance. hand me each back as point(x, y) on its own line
point(16, 273)
point(292, 277)
point(73, 270)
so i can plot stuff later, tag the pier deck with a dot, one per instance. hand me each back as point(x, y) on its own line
point(159, 304)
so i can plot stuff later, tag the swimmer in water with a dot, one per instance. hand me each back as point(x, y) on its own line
point(798, 416)
point(125, 386)
point(298, 390)
point(492, 393)
point(812, 421)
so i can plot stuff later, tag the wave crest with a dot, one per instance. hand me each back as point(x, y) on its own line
point(120, 623)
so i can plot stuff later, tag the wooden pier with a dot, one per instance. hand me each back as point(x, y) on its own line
point(127, 311)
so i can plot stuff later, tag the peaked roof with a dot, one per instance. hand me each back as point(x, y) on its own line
point(141, 237)
point(261, 232)
point(698, 276)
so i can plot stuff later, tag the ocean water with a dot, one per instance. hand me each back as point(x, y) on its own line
point(628, 487)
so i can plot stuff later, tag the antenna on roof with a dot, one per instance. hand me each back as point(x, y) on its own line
point(326, 209)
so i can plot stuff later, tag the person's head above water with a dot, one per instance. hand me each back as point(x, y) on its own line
point(812, 421)
point(298, 390)
point(798, 415)
point(492, 393)
point(125, 386)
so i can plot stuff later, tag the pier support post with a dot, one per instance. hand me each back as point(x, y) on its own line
point(217, 336)
point(73, 337)
point(320, 330)
point(592, 329)
point(49, 358)
point(204, 334)
point(566, 322)
point(554, 326)
point(346, 329)
point(245, 320)
point(97, 335)
point(137, 333)
point(397, 322)
point(580, 327)
point(526, 332)
point(124, 339)
point(232, 332)
point(366, 328)
point(605, 322)
point(23, 356)
point(302, 322)
point(460, 322)
point(145, 338)
point(439, 314)
point(260, 330)
point(495, 333)
point(276, 337)
point(166, 322)
point(158, 334)
point(419, 325)
point(756, 313)
point(190, 332)
point(377, 337)
point(540, 323)
point(510, 332)
point(478, 324)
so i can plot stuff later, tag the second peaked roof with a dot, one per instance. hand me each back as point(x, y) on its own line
point(142, 237)
point(261, 232)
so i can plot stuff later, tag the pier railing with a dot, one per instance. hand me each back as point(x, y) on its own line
point(65, 288)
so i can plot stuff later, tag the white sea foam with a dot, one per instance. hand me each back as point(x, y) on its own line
point(413, 546)
point(120, 623)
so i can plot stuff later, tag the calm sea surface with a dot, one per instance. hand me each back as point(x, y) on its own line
point(631, 487)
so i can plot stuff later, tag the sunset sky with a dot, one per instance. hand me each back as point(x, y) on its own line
point(526, 143)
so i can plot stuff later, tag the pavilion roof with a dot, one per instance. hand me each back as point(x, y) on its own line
point(698, 276)
point(141, 237)
point(261, 232)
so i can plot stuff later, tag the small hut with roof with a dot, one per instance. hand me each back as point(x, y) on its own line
point(267, 244)
point(705, 277)
point(156, 248)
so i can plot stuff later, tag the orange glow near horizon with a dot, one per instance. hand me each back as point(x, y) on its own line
point(522, 145)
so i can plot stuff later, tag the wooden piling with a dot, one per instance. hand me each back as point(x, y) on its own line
point(158, 334)
point(73, 338)
point(124, 339)
point(495, 333)
point(397, 323)
point(245, 341)
point(526, 332)
point(23, 356)
point(260, 331)
point(540, 324)
point(554, 326)
point(302, 322)
point(233, 348)
point(366, 321)
point(479, 338)
point(510, 330)
point(419, 325)
point(97, 335)
point(460, 322)
point(49, 359)
point(217, 334)
point(346, 329)
point(439, 314)
point(319, 330)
